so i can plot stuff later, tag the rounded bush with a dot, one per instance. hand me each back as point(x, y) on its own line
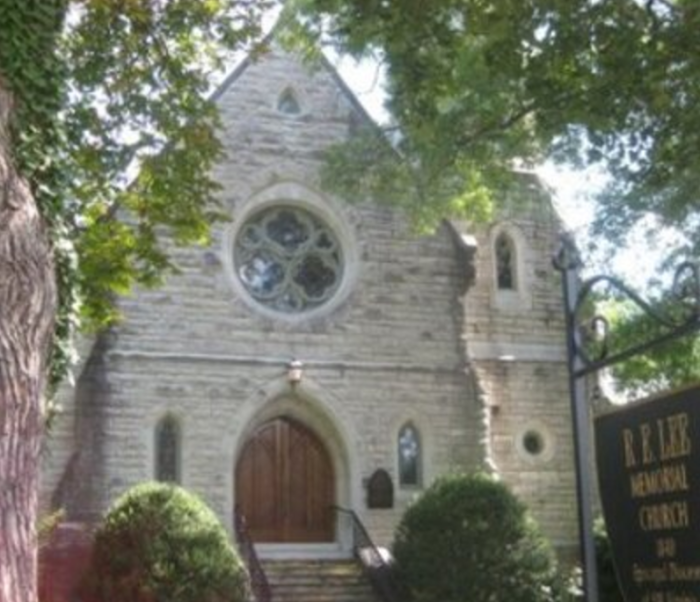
point(161, 543)
point(468, 538)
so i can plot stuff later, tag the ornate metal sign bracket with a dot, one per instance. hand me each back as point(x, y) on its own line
point(588, 337)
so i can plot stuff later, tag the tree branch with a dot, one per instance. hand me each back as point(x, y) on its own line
point(500, 126)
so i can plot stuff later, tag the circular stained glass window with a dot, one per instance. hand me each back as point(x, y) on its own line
point(288, 259)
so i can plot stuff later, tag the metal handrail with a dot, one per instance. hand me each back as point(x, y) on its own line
point(258, 579)
point(373, 562)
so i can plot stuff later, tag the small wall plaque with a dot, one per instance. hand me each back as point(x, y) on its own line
point(380, 490)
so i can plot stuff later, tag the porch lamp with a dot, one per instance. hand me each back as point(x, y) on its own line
point(295, 370)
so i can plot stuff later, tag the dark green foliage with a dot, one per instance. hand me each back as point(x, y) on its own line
point(608, 589)
point(113, 131)
point(160, 543)
point(141, 71)
point(671, 365)
point(30, 65)
point(475, 87)
point(468, 539)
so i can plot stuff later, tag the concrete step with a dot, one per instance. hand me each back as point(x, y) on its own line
point(318, 581)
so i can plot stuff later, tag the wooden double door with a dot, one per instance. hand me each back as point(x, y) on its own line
point(285, 485)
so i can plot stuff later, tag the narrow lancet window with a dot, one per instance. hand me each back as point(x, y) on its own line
point(505, 263)
point(288, 103)
point(409, 451)
point(168, 450)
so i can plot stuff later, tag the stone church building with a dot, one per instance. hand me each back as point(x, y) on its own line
point(320, 353)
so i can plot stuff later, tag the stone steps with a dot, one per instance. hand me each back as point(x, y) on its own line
point(318, 581)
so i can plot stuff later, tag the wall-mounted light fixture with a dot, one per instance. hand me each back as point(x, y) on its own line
point(295, 370)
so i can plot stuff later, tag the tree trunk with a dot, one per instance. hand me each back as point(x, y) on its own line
point(27, 312)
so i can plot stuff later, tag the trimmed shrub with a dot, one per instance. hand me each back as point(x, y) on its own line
point(160, 543)
point(468, 539)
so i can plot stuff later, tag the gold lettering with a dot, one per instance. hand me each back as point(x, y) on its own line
point(628, 439)
point(665, 547)
point(649, 574)
point(679, 572)
point(674, 440)
point(647, 453)
point(660, 517)
point(667, 479)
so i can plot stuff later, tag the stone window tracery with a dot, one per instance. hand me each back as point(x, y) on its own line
point(535, 443)
point(409, 456)
point(168, 453)
point(288, 259)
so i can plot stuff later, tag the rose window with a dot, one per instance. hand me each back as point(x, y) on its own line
point(288, 259)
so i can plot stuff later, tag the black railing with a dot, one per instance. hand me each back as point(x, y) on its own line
point(373, 561)
point(258, 580)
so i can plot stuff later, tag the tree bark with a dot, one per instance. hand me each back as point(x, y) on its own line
point(27, 313)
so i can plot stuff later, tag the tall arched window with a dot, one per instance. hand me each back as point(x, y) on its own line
point(409, 456)
point(168, 452)
point(506, 263)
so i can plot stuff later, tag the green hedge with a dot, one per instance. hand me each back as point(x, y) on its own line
point(160, 543)
point(468, 539)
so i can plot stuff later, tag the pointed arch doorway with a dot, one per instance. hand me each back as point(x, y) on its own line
point(285, 484)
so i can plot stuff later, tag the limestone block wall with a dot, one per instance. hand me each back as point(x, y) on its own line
point(516, 343)
point(61, 449)
point(400, 342)
point(388, 356)
point(388, 351)
point(533, 403)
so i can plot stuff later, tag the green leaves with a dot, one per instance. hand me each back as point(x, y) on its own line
point(160, 542)
point(469, 538)
point(31, 67)
point(497, 84)
point(668, 366)
point(114, 132)
point(139, 73)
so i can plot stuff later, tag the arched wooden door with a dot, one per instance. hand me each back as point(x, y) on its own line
point(285, 486)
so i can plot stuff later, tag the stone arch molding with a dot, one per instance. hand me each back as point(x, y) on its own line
point(318, 409)
point(519, 298)
point(295, 194)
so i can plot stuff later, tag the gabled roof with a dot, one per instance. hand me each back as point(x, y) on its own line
point(324, 63)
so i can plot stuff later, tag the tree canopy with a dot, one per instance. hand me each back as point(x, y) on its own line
point(663, 367)
point(477, 87)
point(113, 120)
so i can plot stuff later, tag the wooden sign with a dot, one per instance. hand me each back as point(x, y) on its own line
point(648, 457)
